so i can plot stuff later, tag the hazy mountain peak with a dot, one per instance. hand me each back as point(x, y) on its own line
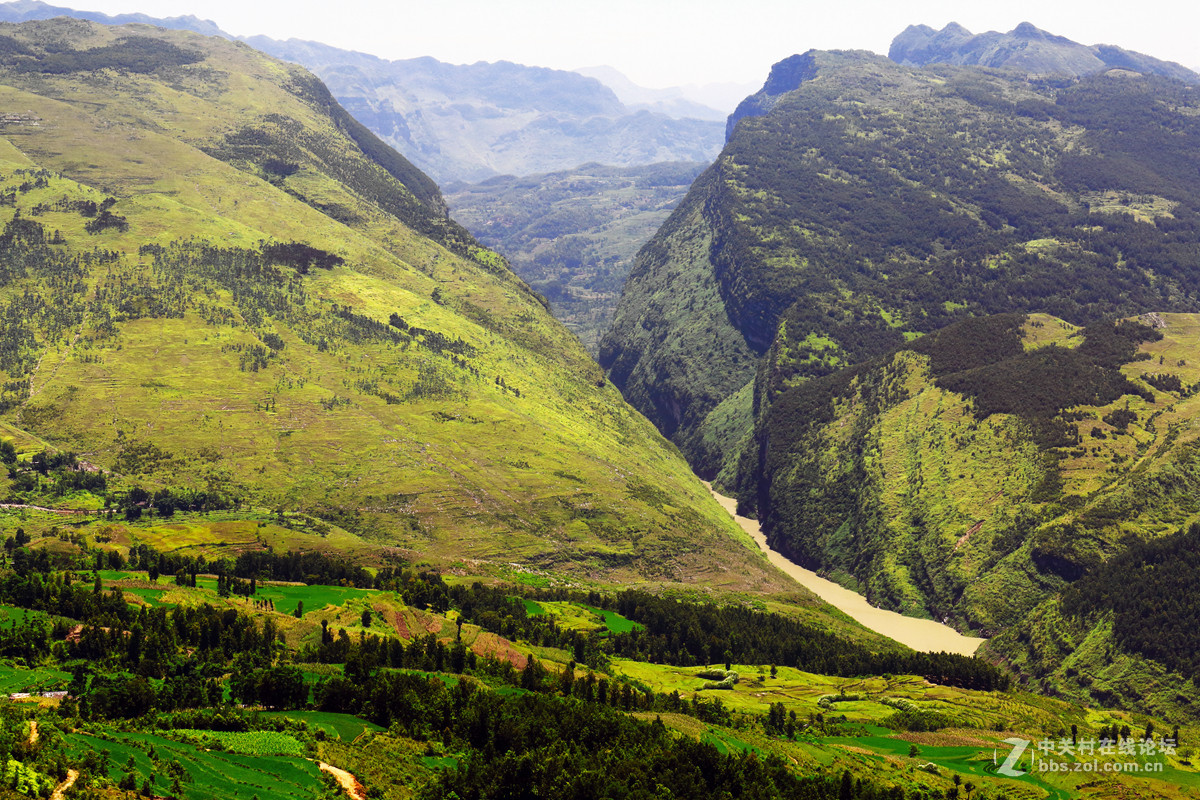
point(26, 10)
point(1027, 30)
point(1027, 48)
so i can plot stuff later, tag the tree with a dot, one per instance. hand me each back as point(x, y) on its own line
point(299, 612)
point(846, 791)
point(282, 687)
point(366, 618)
point(566, 679)
point(165, 503)
point(531, 676)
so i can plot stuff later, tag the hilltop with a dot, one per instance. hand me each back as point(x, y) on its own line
point(216, 281)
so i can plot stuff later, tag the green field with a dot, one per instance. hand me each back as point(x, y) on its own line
point(580, 616)
point(206, 773)
point(614, 621)
point(339, 726)
point(249, 743)
point(532, 607)
point(286, 597)
point(20, 679)
point(11, 615)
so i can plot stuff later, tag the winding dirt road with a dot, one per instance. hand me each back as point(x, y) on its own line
point(61, 789)
point(919, 634)
point(346, 780)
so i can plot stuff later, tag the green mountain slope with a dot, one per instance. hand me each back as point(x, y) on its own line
point(1124, 635)
point(867, 202)
point(214, 279)
point(1018, 475)
point(983, 467)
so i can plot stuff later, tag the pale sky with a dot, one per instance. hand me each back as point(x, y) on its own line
point(660, 43)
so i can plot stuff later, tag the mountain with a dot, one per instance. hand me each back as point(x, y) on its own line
point(1025, 48)
point(469, 122)
point(217, 284)
point(472, 122)
point(876, 202)
point(773, 326)
point(1020, 474)
point(573, 235)
point(1124, 635)
point(673, 102)
point(29, 10)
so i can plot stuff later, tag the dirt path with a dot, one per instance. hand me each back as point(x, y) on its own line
point(348, 782)
point(61, 789)
point(919, 634)
point(33, 731)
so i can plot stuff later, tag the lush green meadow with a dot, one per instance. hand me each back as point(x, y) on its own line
point(202, 772)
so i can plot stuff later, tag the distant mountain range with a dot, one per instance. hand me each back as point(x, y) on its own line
point(1026, 48)
point(471, 122)
point(27, 10)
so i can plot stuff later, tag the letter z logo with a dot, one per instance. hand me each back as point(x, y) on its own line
point(1008, 767)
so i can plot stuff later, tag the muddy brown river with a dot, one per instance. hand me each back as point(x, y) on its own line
point(919, 634)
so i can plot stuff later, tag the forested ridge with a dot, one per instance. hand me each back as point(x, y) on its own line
point(1148, 590)
point(889, 320)
point(881, 201)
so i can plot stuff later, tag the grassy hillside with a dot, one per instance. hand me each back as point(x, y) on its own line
point(1123, 635)
point(215, 281)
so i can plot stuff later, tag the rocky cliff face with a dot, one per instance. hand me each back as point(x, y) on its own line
point(785, 76)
